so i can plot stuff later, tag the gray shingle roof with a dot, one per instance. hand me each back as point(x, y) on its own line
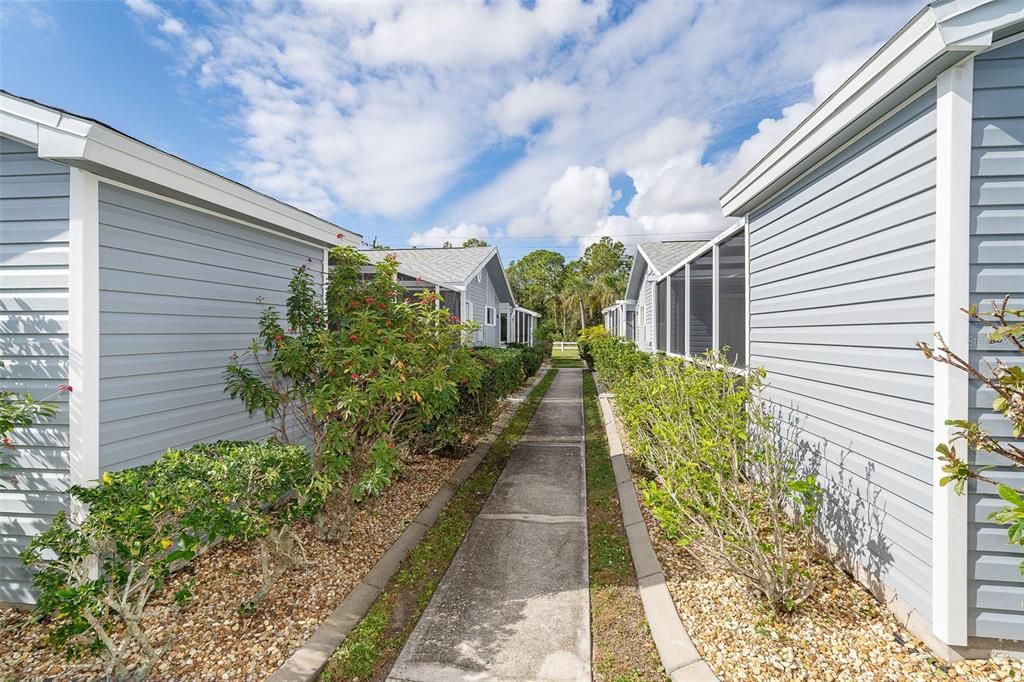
point(665, 255)
point(440, 266)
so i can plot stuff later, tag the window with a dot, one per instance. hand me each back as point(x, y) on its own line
point(701, 309)
point(503, 333)
point(489, 316)
point(678, 337)
point(732, 298)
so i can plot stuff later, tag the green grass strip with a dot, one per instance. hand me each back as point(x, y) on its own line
point(373, 645)
point(623, 648)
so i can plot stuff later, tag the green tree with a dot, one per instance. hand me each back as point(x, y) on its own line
point(536, 280)
point(473, 241)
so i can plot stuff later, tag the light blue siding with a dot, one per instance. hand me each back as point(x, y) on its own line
point(481, 292)
point(841, 289)
point(180, 291)
point(33, 348)
point(996, 589)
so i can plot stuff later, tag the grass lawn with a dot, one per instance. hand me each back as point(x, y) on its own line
point(623, 650)
point(372, 647)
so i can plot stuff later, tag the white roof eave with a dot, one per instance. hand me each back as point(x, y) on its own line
point(66, 139)
point(935, 30)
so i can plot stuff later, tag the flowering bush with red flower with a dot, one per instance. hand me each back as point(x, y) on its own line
point(20, 411)
point(363, 367)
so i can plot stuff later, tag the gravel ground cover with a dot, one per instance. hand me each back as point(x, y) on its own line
point(211, 639)
point(841, 633)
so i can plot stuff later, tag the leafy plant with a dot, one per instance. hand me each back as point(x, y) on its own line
point(357, 372)
point(95, 579)
point(719, 475)
point(1006, 324)
point(20, 411)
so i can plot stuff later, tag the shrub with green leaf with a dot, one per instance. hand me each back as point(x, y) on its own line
point(719, 476)
point(358, 375)
point(1006, 382)
point(95, 577)
point(20, 411)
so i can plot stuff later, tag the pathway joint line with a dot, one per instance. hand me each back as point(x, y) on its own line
point(307, 662)
point(533, 518)
point(679, 657)
point(514, 603)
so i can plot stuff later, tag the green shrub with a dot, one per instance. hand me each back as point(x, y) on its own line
point(359, 376)
point(533, 357)
point(95, 577)
point(719, 475)
point(586, 339)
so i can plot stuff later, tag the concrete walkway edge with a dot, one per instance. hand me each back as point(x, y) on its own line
point(309, 660)
point(679, 657)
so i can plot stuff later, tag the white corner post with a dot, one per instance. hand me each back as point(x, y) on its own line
point(668, 314)
point(716, 289)
point(84, 331)
point(952, 286)
point(689, 313)
point(746, 288)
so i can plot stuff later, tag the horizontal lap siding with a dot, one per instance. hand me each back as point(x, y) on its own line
point(180, 291)
point(995, 589)
point(33, 347)
point(841, 288)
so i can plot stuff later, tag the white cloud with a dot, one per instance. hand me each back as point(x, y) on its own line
point(536, 101)
point(437, 235)
point(383, 109)
point(450, 34)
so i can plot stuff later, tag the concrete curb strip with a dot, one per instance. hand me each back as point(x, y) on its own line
point(679, 657)
point(309, 660)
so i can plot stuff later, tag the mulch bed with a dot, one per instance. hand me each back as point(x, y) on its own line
point(841, 633)
point(212, 640)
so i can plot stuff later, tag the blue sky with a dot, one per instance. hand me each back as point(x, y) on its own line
point(544, 124)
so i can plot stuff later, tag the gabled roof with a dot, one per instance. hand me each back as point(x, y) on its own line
point(662, 256)
point(450, 267)
point(92, 145)
point(937, 38)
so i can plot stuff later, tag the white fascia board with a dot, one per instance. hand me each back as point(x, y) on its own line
point(969, 25)
point(650, 263)
point(76, 142)
point(719, 238)
point(915, 46)
point(956, 25)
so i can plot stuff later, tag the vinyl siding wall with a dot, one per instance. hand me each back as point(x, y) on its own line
point(180, 291)
point(33, 348)
point(995, 589)
point(645, 336)
point(841, 288)
point(482, 294)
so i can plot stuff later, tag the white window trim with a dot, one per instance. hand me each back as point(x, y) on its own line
point(489, 314)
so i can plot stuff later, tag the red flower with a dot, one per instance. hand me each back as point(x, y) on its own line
point(391, 446)
point(64, 388)
point(418, 280)
point(372, 373)
point(354, 304)
point(381, 306)
point(353, 338)
point(8, 443)
point(340, 235)
point(369, 300)
point(354, 376)
point(278, 337)
point(455, 318)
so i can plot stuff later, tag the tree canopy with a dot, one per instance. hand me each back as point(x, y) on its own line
point(570, 295)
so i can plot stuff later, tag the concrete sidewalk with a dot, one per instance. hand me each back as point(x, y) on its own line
point(514, 603)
